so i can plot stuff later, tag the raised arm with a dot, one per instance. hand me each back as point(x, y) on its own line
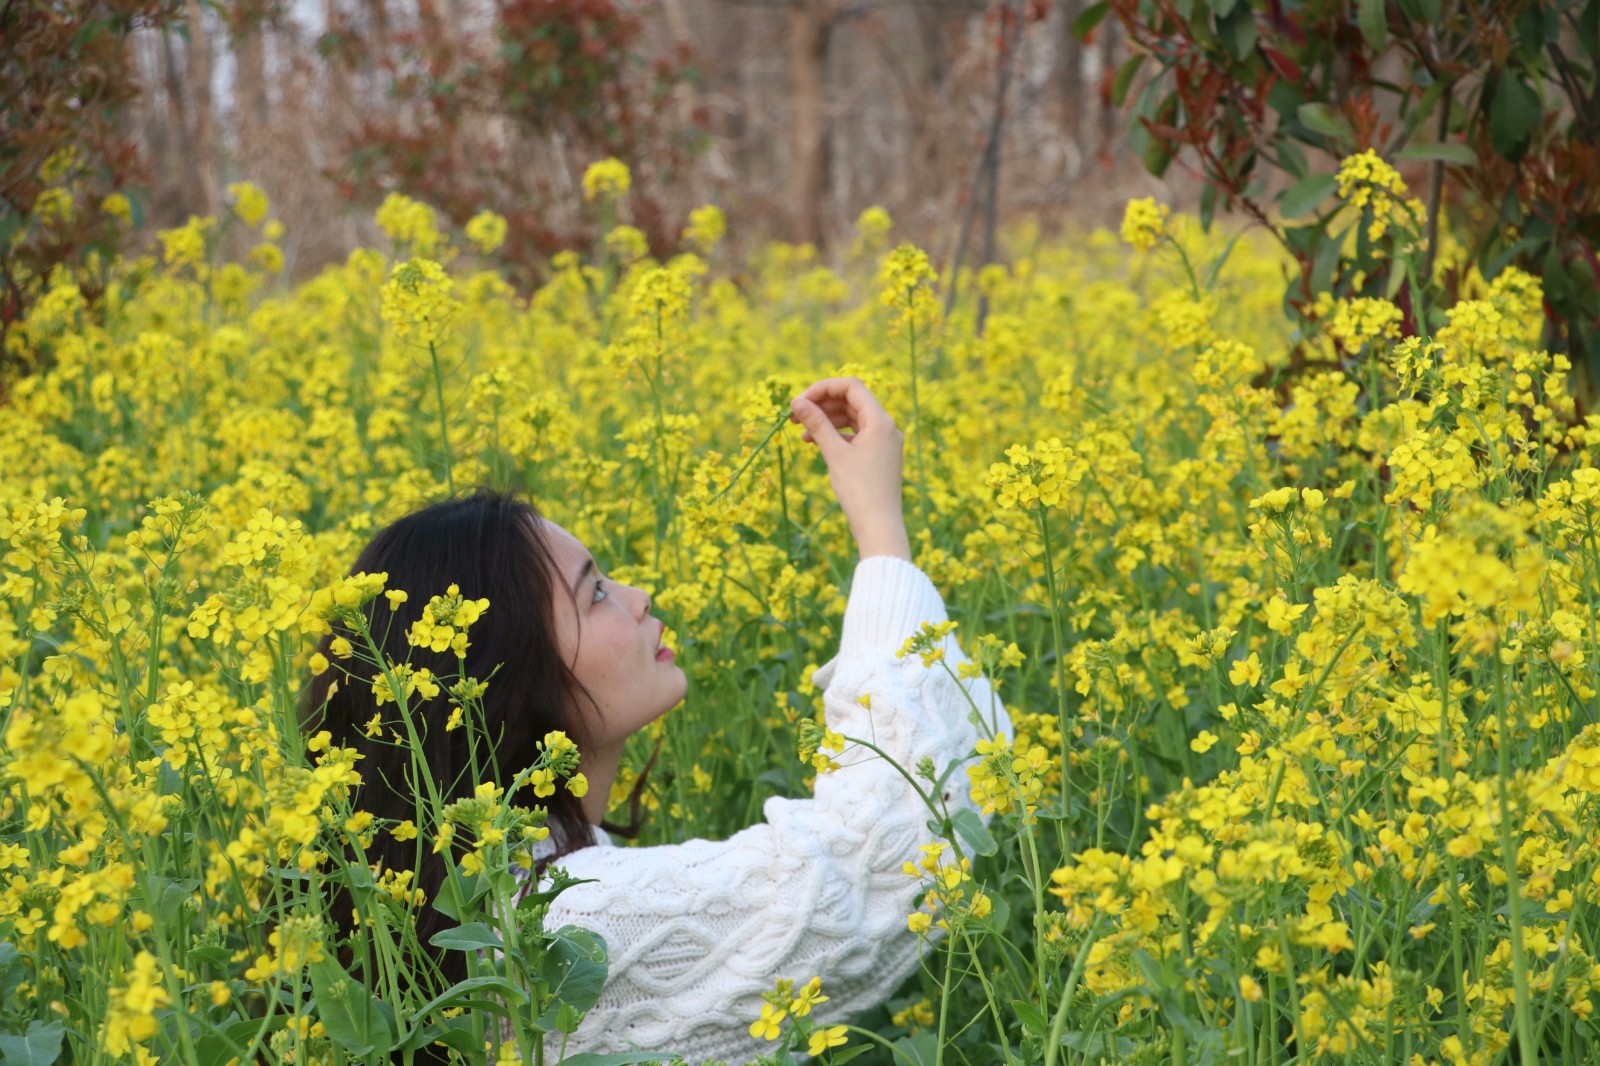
point(697, 931)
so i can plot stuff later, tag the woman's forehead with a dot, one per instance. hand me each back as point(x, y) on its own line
point(567, 551)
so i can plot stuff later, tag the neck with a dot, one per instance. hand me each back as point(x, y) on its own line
point(600, 768)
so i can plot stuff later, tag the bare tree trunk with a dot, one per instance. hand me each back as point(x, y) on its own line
point(1010, 42)
point(197, 76)
point(251, 82)
point(1070, 66)
point(178, 119)
point(808, 177)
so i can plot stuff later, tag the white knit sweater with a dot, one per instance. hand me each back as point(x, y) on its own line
point(697, 931)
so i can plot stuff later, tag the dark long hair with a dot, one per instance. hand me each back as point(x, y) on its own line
point(492, 545)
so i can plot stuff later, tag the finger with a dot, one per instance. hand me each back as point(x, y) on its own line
point(818, 427)
point(849, 398)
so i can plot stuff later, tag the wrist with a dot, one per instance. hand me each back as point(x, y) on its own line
point(891, 540)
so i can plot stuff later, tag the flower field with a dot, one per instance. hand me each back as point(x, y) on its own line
point(1296, 620)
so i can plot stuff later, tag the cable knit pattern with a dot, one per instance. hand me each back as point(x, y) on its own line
point(697, 931)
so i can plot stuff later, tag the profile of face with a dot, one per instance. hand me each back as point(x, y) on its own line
point(610, 642)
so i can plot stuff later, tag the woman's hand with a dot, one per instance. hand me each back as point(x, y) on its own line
point(864, 469)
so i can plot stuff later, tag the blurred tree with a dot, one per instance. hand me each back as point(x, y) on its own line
point(1505, 97)
point(68, 171)
point(508, 119)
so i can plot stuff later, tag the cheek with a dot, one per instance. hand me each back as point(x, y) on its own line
point(606, 656)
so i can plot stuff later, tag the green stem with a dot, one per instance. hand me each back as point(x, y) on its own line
point(1508, 858)
point(444, 430)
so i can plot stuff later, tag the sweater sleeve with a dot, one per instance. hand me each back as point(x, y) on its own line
point(697, 931)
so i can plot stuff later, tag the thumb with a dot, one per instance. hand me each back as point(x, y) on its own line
point(818, 425)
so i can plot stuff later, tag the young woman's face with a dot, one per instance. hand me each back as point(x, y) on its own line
point(610, 640)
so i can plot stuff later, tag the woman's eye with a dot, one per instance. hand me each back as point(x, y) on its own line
point(597, 590)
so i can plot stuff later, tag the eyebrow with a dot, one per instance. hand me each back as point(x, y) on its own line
point(588, 565)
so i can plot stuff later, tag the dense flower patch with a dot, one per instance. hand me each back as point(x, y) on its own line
point(1296, 621)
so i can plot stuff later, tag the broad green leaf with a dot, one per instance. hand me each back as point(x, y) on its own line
point(1124, 78)
point(1293, 160)
point(1322, 118)
point(39, 1046)
point(452, 1032)
point(1556, 285)
point(453, 996)
point(1238, 31)
point(220, 1048)
point(921, 1049)
point(1444, 151)
point(973, 833)
point(349, 1011)
point(453, 901)
point(1304, 196)
point(474, 936)
point(1514, 114)
point(1373, 16)
point(1031, 1016)
point(214, 956)
point(1327, 261)
point(1097, 1047)
point(1089, 18)
point(575, 965)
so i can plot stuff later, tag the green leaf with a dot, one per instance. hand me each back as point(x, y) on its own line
point(1208, 206)
point(921, 1049)
point(1089, 18)
point(1124, 78)
point(1322, 118)
point(10, 225)
point(1327, 260)
point(349, 1011)
point(575, 965)
point(1222, 8)
point(452, 1032)
point(214, 956)
point(1514, 114)
point(457, 993)
point(453, 901)
point(220, 1048)
point(474, 936)
point(1238, 31)
point(13, 971)
point(1215, 269)
point(1373, 16)
point(973, 833)
point(1304, 196)
point(1031, 1016)
point(1293, 160)
point(1098, 1047)
point(1556, 285)
point(1444, 151)
point(39, 1046)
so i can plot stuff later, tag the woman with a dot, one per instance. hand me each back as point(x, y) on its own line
point(696, 931)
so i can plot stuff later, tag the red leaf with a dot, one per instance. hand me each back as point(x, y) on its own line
point(1282, 63)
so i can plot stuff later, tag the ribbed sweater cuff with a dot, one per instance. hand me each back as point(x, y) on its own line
point(889, 600)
